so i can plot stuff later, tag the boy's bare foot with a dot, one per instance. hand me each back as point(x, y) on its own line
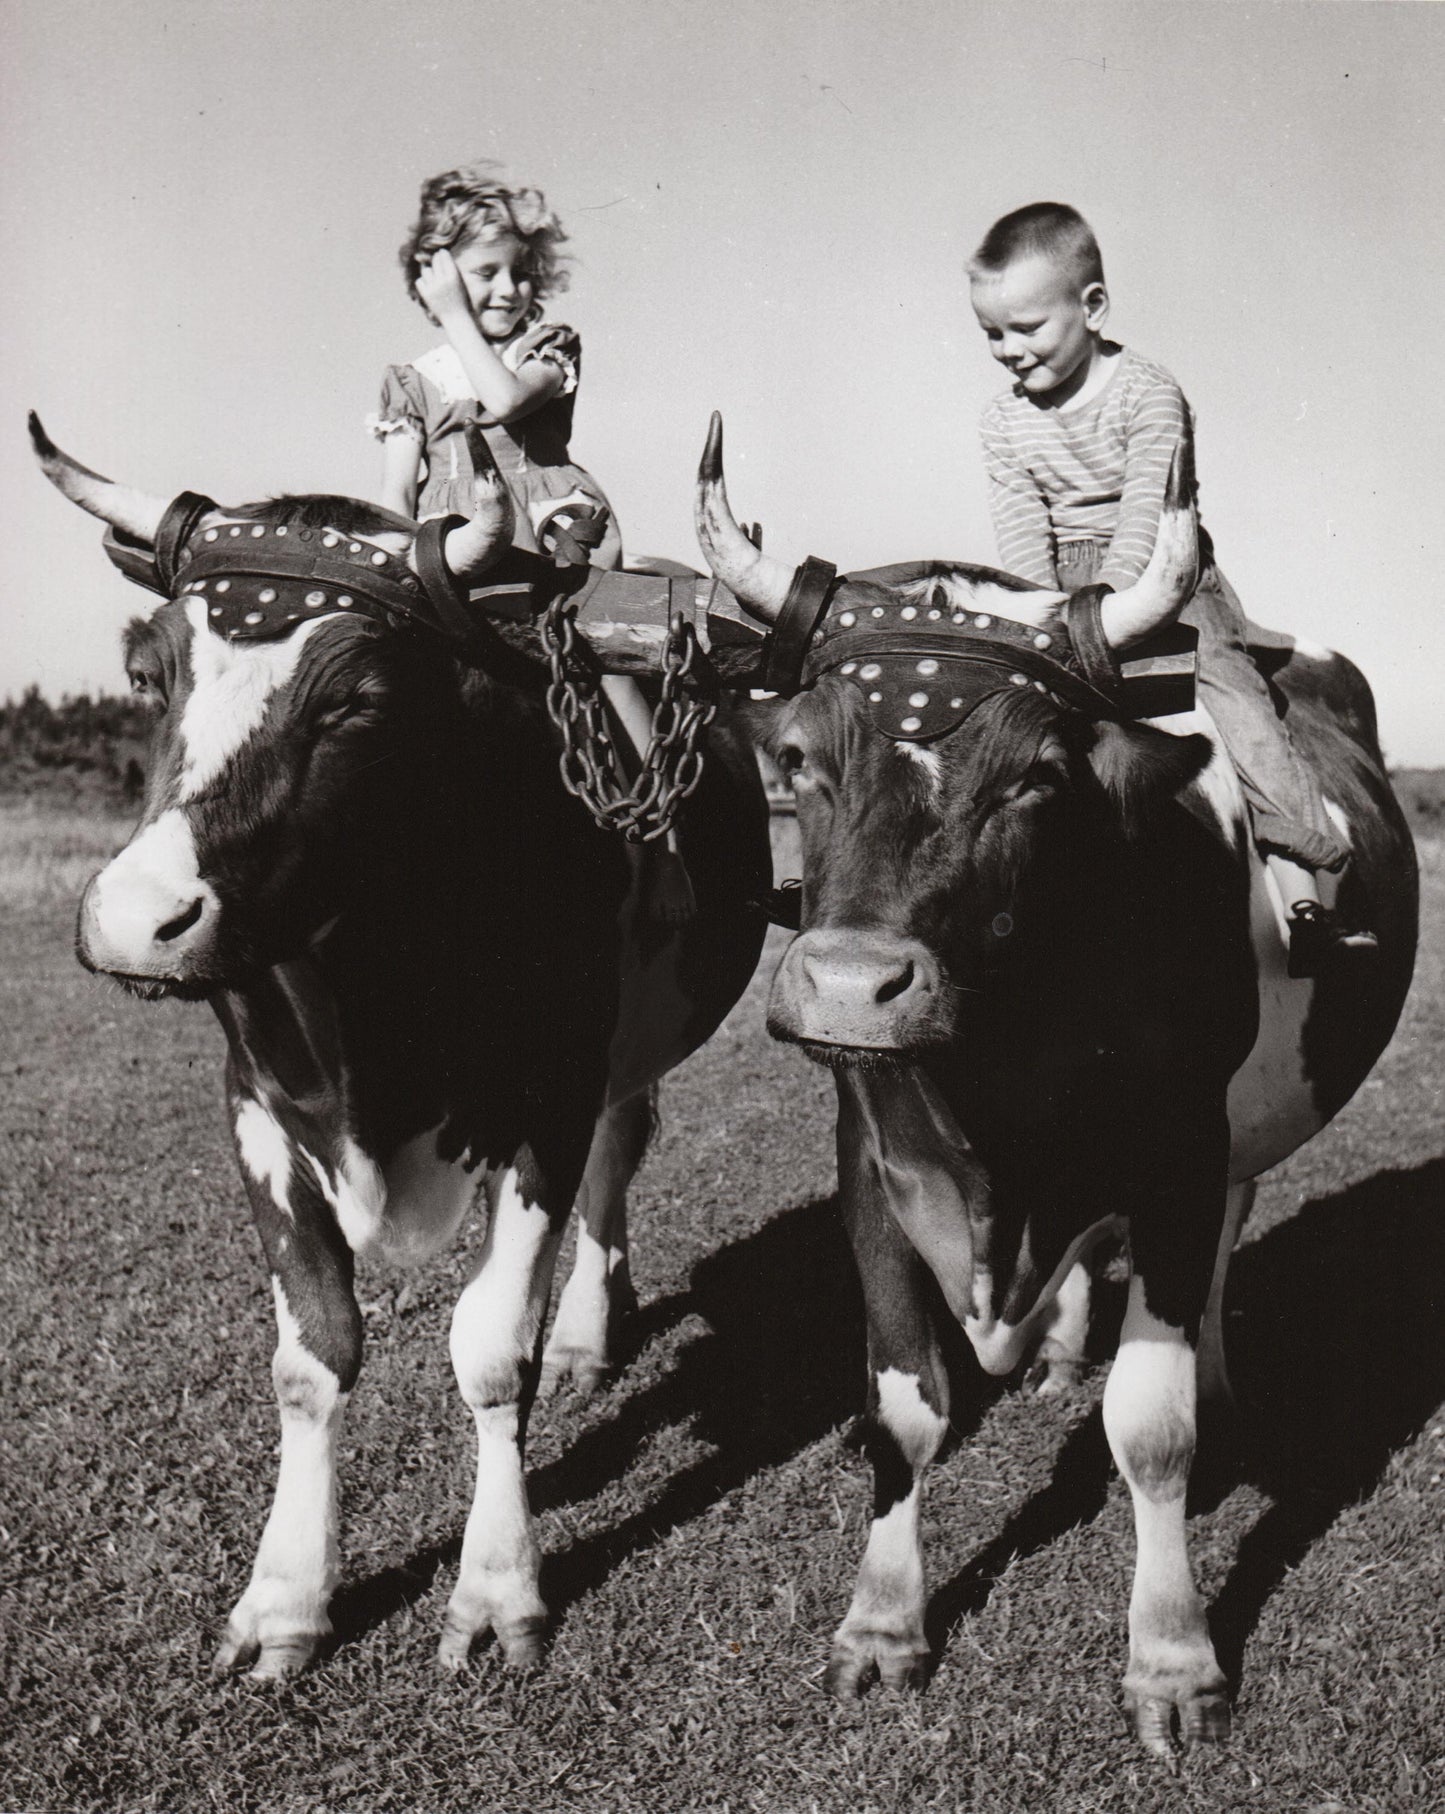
point(668, 887)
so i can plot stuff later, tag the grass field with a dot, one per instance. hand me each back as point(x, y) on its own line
point(703, 1518)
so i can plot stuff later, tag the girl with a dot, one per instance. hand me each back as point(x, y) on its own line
point(480, 260)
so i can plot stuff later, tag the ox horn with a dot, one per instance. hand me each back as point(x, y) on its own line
point(134, 513)
point(758, 582)
point(473, 548)
point(1166, 585)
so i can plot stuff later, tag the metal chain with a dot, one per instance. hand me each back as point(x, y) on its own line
point(672, 763)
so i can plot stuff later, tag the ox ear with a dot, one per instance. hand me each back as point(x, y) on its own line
point(1142, 769)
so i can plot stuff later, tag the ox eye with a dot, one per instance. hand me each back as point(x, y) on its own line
point(1042, 778)
point(360, 707)
point(346, 713)
point(1036, 783)
point(148, 686)
point(790, 759)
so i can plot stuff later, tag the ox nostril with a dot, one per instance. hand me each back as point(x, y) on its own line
point(899, 983)
point(181, 924)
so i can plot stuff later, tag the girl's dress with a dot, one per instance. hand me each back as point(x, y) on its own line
point(432, 400)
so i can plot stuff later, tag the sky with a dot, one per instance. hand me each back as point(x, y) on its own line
point(770, 206)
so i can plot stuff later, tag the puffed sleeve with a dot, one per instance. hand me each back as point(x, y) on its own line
point(558, 345)
point(401, 410)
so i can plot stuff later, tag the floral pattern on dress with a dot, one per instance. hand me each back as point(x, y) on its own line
point(432, 400)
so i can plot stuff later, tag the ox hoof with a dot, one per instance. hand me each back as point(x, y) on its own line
point(575, 1367)
point(900, 1662)
point(269, 1660)
point(521, 1641)
point(1160, 1722)
point(1061, 1379)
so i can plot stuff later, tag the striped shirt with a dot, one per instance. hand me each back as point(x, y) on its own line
point(1094, 474)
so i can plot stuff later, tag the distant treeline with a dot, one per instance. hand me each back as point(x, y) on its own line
point(95, 748)
point(1421, 791)
point(81, 748)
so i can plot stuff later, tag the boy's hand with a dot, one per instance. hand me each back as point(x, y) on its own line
point(439, 286)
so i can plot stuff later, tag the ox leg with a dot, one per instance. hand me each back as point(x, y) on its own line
point(907, 1422)
point(1149, 1416)
point(495, 1344)
point(599, 1294)
point(281, 1620)
point(1062, 1349)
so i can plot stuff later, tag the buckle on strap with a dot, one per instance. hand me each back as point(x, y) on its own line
point(804, 606)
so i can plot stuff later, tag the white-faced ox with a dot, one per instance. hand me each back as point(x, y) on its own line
point(1049, 974)
point(431, 971)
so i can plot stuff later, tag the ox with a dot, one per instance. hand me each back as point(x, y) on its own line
point(1048, 972)
point(431, 971)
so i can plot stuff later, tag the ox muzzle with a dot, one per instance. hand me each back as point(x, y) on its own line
point(849, 993)
point(149, 919)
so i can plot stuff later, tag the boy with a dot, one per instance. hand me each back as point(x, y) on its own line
point(1077, 455)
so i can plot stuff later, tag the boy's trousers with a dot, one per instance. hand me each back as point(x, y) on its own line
point(1286, 808)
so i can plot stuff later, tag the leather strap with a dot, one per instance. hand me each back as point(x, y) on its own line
point(1083, 619)
point(572, 532)
point(153, 564)
point(180, 522)
point(135, 559)
point(447, 597)
point(804, 606)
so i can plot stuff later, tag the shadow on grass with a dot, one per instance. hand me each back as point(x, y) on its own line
point(360, 1606)
point(780, 1365)
point(1333, 1340)
point(1334, 1345)
point(784, 1362)
point(1075, 1495)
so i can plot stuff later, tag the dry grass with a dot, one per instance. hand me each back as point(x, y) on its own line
point(703, 1519)
point(49, 852)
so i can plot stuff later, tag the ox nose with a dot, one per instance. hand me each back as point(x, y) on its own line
point(148, 913)
point(857, 987)
point(861, 979)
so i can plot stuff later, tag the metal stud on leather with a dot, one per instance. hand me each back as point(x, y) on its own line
point(261, 579)
point(923, 668)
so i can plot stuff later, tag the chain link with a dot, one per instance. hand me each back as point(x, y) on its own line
point(672, 763)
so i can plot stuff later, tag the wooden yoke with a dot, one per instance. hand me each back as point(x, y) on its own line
point(623, 616)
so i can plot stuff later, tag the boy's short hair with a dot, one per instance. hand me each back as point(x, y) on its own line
point(1049, 230)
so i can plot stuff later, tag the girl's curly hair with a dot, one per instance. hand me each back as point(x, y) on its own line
point(469, 201)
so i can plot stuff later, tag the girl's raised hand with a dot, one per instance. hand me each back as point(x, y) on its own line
point(439, 285)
